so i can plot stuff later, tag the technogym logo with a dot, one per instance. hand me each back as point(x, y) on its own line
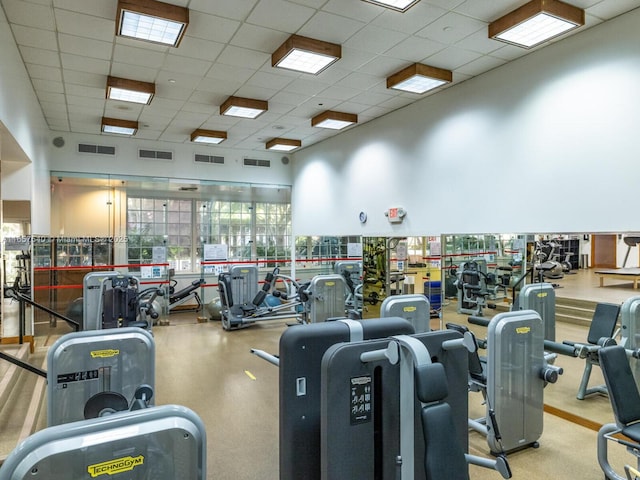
point(112, 467)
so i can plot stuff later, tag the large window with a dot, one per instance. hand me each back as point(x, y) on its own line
point(250, 230)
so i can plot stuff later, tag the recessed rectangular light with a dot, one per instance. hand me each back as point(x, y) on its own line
point(334, 120)
point(243, 107)
point(152, 21)
point(118, 126)
point(283, 144)
point(305, 55)
point(208, 136)
point(399, 5)
point(130, 90)
point(419, 78)
point(536, 22)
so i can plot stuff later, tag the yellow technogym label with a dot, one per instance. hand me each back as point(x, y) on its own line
point(113, 467)
point(330, 284)
point(522, 330)
point(105, 353)
point(409, 309)
point(542, 295)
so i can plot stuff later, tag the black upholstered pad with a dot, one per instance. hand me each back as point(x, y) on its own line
point(603, 323)
point(444, 457)
point(623, 392)
point(431, 382)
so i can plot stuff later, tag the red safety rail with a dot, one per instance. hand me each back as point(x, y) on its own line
point(94, 268)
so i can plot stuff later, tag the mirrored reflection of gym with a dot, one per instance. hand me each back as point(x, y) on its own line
point(495, 334)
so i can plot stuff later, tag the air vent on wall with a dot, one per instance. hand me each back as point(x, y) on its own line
point(199, 158)
point(97, 149)
point(254, 162)
point(155, 154)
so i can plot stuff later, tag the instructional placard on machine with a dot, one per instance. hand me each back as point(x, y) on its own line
point(360, 399)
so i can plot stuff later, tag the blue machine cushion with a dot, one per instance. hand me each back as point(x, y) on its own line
point(623, 392)
point(603, 323)
point(431, 382)
point(444, 457)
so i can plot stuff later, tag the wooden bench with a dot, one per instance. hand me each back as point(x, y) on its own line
point(628, 274)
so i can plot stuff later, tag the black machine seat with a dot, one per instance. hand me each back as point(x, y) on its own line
point(623, 391)
point(444, 456)
point(603, 323)
point(186, 291)
point(476, 366)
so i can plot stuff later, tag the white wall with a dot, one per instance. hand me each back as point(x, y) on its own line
point(126, 161)
point(546, 143)
point(20, 113)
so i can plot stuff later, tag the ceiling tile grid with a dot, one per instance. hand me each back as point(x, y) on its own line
point(69, 48)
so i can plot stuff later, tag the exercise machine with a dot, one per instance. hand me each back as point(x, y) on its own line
point(324, 298)
point(602, 333)
point(159, 443)
point(511, 379)
point(630, 242)
point(472, 288)
point(184, 295)
point(114, 300)
point(243, 302)
point(301, 350)
point(352, 273)
point(630, 331)
point(95, 370)
point(406, 413)
point(414, 308)
point(625, 401)
point(540, 297)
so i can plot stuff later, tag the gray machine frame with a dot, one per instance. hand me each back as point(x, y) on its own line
point(95, 286)
point(157, 443)
point(327, 298)
point(413, 307)
point(630, 331)
point(83, 364)
point(238, 309)
point(393, 407)
point(300, 359)
point(517, 371)
point(352, 269)
point(540, 297)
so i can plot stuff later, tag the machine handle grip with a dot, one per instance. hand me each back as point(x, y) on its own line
point(475, 320)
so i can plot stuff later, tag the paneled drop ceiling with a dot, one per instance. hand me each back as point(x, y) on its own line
point(69, 48)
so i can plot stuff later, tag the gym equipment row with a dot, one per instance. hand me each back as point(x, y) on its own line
point(244, 303)
point(343, 384)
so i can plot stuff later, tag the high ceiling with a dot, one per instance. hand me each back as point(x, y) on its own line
point(69, 48)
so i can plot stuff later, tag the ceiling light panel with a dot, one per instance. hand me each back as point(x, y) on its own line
point(243, 107)
point(334, 120)
point(305, 55)
point(152, 21)
point(130, 90)
point(118, 126)
point(536, 22)
point(283, 144)
point(419, 78)
point(399, 5)
point(208, 136)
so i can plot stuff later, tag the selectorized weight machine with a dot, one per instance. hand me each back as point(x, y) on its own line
point(156, 443)
point(96, 371)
